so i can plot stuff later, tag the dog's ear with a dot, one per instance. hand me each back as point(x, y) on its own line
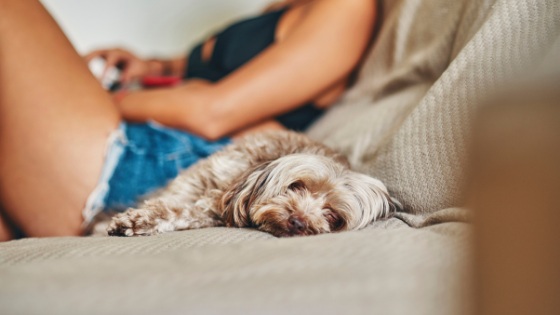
point(239, 197)
point(372, 197)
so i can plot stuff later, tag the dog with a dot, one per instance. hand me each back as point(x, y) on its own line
point(280, 182)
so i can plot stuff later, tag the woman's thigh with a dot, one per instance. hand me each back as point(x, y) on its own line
point(54, 122)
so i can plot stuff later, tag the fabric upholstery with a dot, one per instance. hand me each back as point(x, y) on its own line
point(348, 273)
point(405, 121)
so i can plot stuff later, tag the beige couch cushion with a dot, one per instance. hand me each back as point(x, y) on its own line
point(405, 121)
point(386, 269)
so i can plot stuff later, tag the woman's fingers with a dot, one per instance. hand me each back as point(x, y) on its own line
point(129, 72)
point(112, 59)
point(132, 66)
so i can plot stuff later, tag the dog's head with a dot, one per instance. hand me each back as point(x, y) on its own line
point(303, 194)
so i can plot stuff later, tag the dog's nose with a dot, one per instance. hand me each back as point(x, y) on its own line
point(296, 225)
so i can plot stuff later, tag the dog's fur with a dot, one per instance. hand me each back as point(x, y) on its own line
point(279, 182)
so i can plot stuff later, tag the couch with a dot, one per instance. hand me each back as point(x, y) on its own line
point(406, 121)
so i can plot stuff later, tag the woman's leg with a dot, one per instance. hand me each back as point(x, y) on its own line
point(54, 121)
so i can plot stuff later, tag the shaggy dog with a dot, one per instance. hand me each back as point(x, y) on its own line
point(279, 182)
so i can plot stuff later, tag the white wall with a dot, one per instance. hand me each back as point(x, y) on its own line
point(150, 28)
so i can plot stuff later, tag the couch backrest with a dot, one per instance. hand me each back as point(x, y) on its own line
point(406, 120)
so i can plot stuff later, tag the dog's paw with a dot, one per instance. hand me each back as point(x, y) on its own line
point(132, 223)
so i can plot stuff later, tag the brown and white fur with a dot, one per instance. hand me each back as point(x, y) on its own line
point(279, 182)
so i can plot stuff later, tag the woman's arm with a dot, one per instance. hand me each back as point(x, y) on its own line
point(135, 67)
point(284, 3)
point(322, 50)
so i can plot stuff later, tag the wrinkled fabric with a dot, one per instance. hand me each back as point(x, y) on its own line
point(405, 121)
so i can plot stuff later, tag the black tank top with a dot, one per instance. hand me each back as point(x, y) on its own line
point(234, 47)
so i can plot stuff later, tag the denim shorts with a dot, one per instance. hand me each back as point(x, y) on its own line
point(139, 159)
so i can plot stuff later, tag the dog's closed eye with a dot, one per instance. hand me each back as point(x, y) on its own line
point(335, 222)
point(295, 186)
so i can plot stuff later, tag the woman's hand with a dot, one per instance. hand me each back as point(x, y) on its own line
point(189, 107)
point(134, 67)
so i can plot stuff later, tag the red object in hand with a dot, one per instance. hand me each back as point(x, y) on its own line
point(155, 81)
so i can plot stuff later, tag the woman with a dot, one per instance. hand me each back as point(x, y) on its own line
point(55, 119)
